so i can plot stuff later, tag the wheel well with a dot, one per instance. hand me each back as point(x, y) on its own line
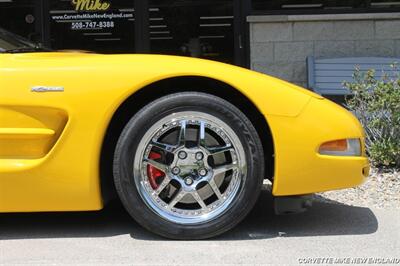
point(173, 85)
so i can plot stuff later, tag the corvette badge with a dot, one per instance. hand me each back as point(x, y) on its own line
point(47, 89)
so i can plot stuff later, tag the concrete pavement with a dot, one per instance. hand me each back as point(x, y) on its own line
point(327, 230)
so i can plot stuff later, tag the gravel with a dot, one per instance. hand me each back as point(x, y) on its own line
point(381, 190)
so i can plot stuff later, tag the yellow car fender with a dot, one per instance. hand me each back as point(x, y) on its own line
point(59, 170)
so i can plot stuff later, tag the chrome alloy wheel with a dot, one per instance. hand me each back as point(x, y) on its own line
point(189, 167)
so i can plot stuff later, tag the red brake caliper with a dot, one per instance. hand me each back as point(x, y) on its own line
point(155, 175)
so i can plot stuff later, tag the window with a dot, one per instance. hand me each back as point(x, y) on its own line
point(195, 28)
point(19, 17)
point(107, 27)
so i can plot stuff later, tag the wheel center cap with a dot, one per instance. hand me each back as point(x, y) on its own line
point(189, 164)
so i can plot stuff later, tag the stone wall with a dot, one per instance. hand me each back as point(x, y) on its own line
point(279, 44)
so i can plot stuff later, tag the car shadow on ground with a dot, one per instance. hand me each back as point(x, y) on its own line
point(322, 219)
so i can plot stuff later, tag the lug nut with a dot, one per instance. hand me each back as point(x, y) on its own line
point(176, 170)
point(202, 172)
point(199, 156)
point(182, 155)
point(188, 181)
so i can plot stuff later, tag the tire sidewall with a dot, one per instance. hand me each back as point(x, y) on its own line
point(131, 137)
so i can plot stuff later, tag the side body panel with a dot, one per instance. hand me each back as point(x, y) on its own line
point(63, 172)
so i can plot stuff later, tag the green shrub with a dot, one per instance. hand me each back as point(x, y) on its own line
point(376, 103)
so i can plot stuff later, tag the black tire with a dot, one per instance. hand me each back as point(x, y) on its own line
point(133, 132)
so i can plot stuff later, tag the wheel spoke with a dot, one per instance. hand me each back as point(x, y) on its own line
point(219, 149)
point(215, 188)
point(202, 135)
point(163, 184)
point(163, 146)
point(159, 166)
point(177, 198)
point(182, 134)
point(224, 168)
point(199, 200)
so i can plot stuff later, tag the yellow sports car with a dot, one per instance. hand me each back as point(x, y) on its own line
point(185, 143)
